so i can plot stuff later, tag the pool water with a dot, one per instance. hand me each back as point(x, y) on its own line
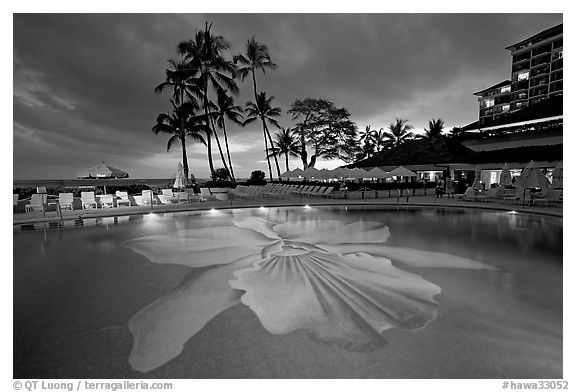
point(321, 292)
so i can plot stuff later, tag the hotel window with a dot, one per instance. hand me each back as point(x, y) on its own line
point(523, 76)
point(557, 55)
point(505, 89)
point(505, 108)
point(487, 103)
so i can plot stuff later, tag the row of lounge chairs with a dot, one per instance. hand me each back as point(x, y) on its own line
point(40, 201)
point(548, 197)
point(280, 191)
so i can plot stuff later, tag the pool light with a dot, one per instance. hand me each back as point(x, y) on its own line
point(512, 212)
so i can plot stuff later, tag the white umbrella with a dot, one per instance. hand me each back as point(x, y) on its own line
point(180, 181)
point(532, 177)
point(310, 172)
point(377, 173)
point(102, 171)
point(558, 176)
point(356, 173)
point(324, 174)
point(505, 176)
point(477, 177)
point(401, 171)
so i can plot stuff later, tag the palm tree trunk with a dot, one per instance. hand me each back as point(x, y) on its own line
point(228, 150)
point(184, 158)
point(287, 169)
point(266, 152)
point(271, 147)
point(210, 123)
point(208, 135)
point(264, 124)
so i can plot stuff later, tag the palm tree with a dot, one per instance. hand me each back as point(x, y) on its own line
point(203, 56)
point(287, 144)
point(225, 108)
point(256, 57)
point(399, 132)
point(381, 142)
point(435, 128)
point(264, 110)
point(367, 138)
point(179, 78)
point(182, 122)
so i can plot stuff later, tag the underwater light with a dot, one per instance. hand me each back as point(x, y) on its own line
point(307, 206)
point(512, 212)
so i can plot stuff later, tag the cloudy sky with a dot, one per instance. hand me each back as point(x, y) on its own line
point(83, 84)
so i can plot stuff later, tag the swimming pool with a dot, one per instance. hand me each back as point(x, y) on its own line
point(323, 292)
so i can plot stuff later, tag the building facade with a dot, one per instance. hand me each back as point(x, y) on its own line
point(537, 68)
point(494, 102)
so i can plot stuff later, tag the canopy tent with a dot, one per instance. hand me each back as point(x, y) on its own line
point(339, 172)
point(532, 177)
point(477, 177)
point(505, 176)
point(401, 171)
point(356, 173)
point(180, 181)
point(558, 176)
point(102, 171)
point(377, 173)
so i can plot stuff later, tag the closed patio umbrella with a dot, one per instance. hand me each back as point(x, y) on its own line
point(505, 176)
point(558, 176)
point(180, 181)
point(477, 177)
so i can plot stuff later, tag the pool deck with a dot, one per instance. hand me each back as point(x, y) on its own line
point(430, 201)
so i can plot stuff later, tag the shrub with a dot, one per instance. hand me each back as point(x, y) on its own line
point(221, 174)
point(257, 178)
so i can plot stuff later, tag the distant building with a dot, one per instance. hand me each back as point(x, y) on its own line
point(519, 120)
point(536, 68)
point(494, 102)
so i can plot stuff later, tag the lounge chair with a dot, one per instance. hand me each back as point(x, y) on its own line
point(88, 200)
point(496, 193)
point(167, 197)
point(148, 198)
point(107, 201)
point(549, 197)
point(66, 200)
point(38, 201)
point(122, 199)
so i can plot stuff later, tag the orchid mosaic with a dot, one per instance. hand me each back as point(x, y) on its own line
point(335, 279)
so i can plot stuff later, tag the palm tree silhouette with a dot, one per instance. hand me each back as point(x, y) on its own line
point(181, 122)
point(435, 128)
point(204, 58)
point(257, 57)
point(225, 108)
point(287, 144)
point(399, 132)
point(264, 110)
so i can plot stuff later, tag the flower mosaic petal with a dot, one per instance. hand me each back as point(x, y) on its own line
point(333, 232)
point(162, 328)
point(349, 299)
point(200, 247)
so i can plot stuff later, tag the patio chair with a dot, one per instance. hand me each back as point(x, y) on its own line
point(88, 200)
point(167, 197)
point(66, 200)
point(549, 197)
point(107, 201)
point(122, 199)
point(148, 197)
point(38, 201)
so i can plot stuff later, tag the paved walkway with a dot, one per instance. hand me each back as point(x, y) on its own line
point(53, 216)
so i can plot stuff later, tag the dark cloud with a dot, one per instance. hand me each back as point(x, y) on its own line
point(83, 84)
